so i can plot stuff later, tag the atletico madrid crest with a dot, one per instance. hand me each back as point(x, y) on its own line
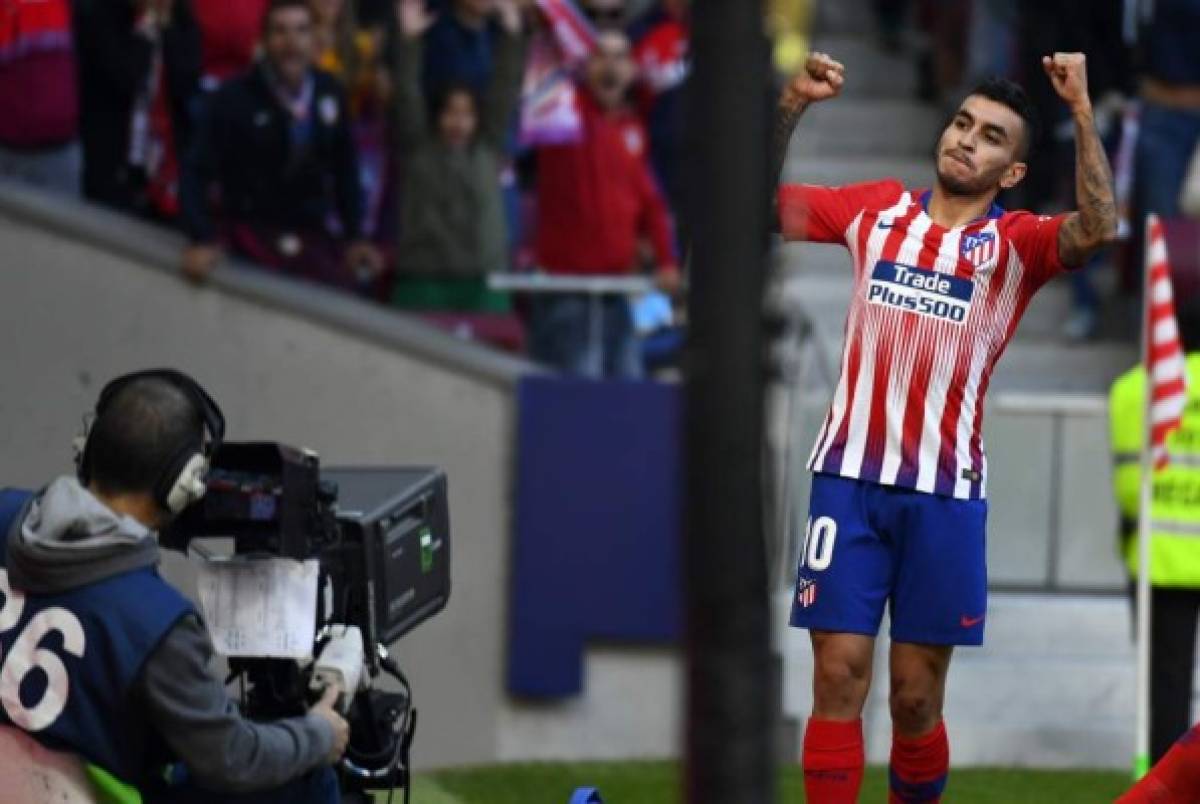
point(806, 592)
point(979, 248)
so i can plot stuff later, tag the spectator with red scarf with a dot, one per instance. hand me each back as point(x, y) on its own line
point(39, 118)
point(597, 200)
point(139, 67)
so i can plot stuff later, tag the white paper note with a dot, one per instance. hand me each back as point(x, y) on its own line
point(260, 606)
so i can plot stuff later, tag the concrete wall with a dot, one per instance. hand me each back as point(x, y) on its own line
point(85, 295)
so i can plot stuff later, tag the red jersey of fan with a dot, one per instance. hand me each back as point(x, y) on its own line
point(597, 196)
point(931, 313)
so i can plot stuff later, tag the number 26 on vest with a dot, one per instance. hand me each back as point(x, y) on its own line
point(25, 656)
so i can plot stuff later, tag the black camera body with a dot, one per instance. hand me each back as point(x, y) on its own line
point(382, 539)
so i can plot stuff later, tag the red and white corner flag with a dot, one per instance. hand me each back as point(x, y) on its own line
point(1166, 397)
point(1166, 368)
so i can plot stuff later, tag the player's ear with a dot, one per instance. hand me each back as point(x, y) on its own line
point(1012, 177)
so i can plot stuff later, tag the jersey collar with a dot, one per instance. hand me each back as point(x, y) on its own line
point(995, 211)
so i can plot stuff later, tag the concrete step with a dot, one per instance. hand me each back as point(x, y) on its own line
point(1069, 627)
point(877, 127)
point(870, 70)
point(912, 171)
point(1031, 366)
point(844, 17)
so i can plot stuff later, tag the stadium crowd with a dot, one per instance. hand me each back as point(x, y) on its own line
point(405, 150)
point(401, 151)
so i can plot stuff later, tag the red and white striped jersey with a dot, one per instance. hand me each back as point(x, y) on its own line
point(931, 313)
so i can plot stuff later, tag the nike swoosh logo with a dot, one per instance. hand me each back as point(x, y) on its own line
point(971, 622)
point(886, 224)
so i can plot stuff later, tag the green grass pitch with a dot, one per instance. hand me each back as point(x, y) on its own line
point(658, 783)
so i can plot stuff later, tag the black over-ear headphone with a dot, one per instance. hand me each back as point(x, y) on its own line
point(181, 480)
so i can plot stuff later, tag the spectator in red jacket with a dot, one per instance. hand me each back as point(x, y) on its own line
point(39, 115)
point(597, 202)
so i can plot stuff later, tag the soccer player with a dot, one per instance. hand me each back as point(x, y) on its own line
point(1176, 777)
point(941, 278)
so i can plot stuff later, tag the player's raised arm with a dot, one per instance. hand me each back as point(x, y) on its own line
point(1094, 225)
point(820, 79)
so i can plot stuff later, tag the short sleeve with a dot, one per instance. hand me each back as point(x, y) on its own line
point(1035, 237)
point(823, 214)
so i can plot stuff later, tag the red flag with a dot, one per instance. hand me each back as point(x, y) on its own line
point(1165, 364)
point(548, 112)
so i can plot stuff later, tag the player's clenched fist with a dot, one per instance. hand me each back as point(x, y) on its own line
point(820, 79)
point(1068, 74)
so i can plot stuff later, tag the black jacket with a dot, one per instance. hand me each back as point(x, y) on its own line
point(243, 144)
point(114, 66)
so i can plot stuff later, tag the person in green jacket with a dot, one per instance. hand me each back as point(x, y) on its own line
point(1174, 536)
point(452, 225)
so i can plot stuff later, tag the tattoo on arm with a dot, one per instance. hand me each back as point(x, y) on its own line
point(781, 137)
point(1095, 224)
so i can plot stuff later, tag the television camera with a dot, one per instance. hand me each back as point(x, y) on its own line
point(382, 541)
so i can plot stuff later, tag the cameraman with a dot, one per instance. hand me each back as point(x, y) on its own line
point(127, 687)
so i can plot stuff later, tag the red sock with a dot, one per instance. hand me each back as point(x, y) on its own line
point(833, 761)
point(919, 766)
point(1176, 777)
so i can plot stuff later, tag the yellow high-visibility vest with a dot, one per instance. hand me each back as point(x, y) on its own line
point(1175, 510)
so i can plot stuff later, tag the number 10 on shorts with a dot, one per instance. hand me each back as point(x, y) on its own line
point(819, 538)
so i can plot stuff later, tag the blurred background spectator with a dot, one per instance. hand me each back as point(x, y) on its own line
point(401, 149)
point(661, 50)
point(230, 31)
point(354, 55)
point(1094, 29)
point(606, 15)
point(39, 103)
point(277, 143)
point(459, 48)
point(1169, 90)
point(452, 224)
point(139, 67)
point(458, 45)
point(789, 23)
point(596, 197)
point(1084, 26)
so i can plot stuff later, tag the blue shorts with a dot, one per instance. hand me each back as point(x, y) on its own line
point(868, 545)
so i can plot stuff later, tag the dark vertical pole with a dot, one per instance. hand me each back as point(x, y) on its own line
point(731, 706)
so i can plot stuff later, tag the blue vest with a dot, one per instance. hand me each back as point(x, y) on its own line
point(72, 658)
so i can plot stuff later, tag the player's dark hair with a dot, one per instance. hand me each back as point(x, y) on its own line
point(141, 430)
point(1013, 95)
point(279, 5)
